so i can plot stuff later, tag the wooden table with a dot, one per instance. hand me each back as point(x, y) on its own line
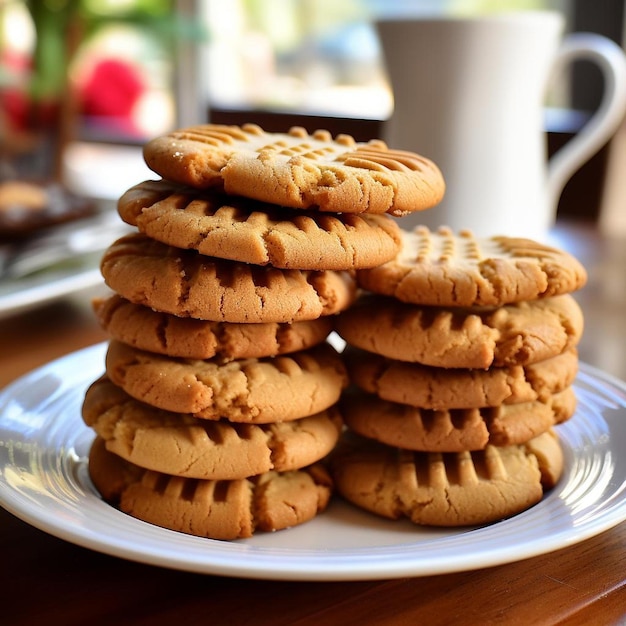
point(45, 578)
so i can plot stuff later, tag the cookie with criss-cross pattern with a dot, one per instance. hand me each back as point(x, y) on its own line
point(454, 489)
point(244, 230)
point(261, 391)
point(181, 445)
point(458, 388)
point(150, 330)
point(454, 430)
point(217, 509)
point(457, 337)
point(298, 170)
point(188, 284)
point(446, 269)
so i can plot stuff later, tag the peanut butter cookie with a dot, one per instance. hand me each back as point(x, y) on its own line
point(447, 269)
point(182, 445)
point(456, 489)
point(146, 329)
point(514, 334)
point(216, 509)
point(445, 388)
point(298, 170)
point(241, 229)
point(188, 284)
point(260, 391)
point(454, 430)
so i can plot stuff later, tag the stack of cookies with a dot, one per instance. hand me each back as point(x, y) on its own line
point(462, 353)
point(220, 399)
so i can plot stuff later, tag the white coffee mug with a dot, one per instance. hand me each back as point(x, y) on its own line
point(469, 93)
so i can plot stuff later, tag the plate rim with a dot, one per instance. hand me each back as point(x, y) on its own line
point(361, 564)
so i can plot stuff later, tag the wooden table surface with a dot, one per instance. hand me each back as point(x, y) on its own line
point(45, 578)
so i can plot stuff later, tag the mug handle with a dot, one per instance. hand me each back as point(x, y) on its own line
point(604, 122)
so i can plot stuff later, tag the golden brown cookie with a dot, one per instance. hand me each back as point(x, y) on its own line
point(455, 489)
point(298, 170)
point(260, 391)
point(515, 334)
point(444, 388)
point(453, 430)
point(189, 338)
point(188, 284)
point(241, 229)
point(447, 269)
point(217, 509)
point(182, 445)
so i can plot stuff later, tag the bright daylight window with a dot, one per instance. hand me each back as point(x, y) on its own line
point(312, 56)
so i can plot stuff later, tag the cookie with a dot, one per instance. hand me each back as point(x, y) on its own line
point(261, 391)
point(181, 445)
point(298, 170)
point(188, 284)
point(449, 490)
point(217, 509)
point(146, 329)
point(456, 337)
point(447, 269)
point(441, 388)
point(453, 430)
point(244, 230)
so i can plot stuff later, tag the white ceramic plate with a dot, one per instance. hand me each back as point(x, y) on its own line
point(44, 481)
point(64, 261)
point(18, 296)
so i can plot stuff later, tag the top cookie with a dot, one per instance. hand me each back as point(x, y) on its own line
point(447, 269)
point(241, 229)
point(298, 170)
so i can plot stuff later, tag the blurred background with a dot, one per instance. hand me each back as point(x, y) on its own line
point(84, 83)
